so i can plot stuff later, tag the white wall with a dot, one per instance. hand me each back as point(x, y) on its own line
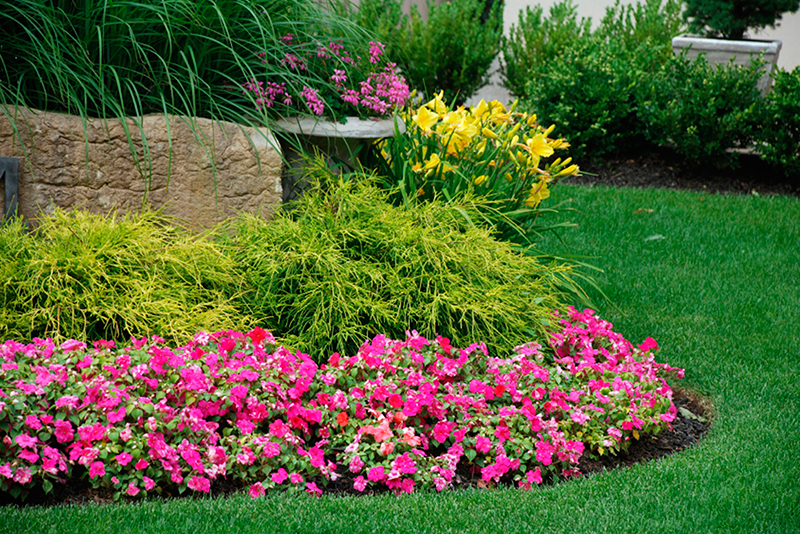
point(788, 31)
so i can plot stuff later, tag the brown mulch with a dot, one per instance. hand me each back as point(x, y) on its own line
point(663, 168)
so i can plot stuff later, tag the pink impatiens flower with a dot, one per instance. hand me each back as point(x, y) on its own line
point(199, 484)
point(359, 483)
point(280, 476)
point(256, 490)
point(149, 483)
point(97, 469)
point(123, 458)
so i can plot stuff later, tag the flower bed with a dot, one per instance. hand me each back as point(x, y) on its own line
point(400, 414)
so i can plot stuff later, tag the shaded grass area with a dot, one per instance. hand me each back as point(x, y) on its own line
point(719, 291)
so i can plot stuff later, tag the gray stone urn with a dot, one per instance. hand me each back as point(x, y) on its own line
point(721, 51)
point(340, 143)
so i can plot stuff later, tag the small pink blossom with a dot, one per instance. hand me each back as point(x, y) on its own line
point(149, 483)
point(141, 465)
point(256, 490)
point(97, 469)
point(132, 490)
point(280, 476)
point(198, 483)
point(359, 483)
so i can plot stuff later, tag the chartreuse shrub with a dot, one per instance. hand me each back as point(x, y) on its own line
point(150, 418)
point(699, 109)
point(451, 51)
point(497, 153)
point(344, 265)
point(777, 136)
point(79, 275)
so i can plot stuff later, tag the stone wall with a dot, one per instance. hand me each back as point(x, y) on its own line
point(68, 164)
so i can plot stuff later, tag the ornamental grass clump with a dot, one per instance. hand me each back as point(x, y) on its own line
point(85, 276)
point(343, 265)
point(488, 150)
point(150, 419)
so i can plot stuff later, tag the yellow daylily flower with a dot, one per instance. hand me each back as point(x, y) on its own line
point(572, 169)
point(537, 193)
point(480, 179)
point(425, 119)
point(538, 148)
point(479, 110)
point(488, 133)
point(437, 104)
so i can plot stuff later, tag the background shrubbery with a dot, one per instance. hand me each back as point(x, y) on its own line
point(619, 89)
point(450, 51)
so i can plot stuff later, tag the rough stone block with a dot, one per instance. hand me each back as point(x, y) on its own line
point(198, 170)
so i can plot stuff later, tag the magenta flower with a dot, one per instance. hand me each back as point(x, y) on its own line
point(26, 441)
point(132, 490)
point(141, 465)
point(256, 490)
point(199, 484)
point(123, 458)
point(97, 469)
point(296, 478)
point(376, 474)
point(280, 476)
point(359, 483)
point(312, 488)
point(149, 483)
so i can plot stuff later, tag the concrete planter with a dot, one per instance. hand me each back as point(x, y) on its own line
point(340, 143)
point(721, 51)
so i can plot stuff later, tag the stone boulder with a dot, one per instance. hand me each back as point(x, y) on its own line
point(198, 170)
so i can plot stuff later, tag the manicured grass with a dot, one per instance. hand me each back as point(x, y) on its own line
point(720, 292)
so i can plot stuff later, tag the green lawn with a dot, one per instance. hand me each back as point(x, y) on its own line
point(719, 291)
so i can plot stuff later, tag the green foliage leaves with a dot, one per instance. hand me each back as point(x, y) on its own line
point(700, 109)
point(730, 19)
point(343, 265)
point(451, 51)
point(83, 276)
point(778, 134)
point(585, 81)
point(537, 40)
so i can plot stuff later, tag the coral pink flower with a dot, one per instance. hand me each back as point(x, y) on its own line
point(387, 447)
point(342, 419)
